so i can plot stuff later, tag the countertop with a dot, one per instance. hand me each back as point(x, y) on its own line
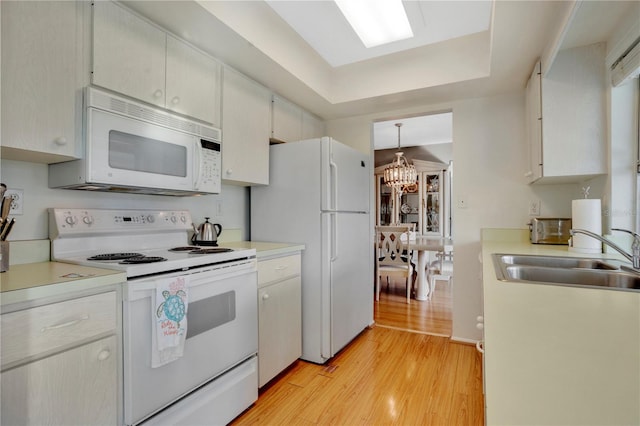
point(32, 281)
point(557, 354)
point(265, 249)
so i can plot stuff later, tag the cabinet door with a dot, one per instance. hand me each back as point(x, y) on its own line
point(280, 327)
point(534, 125)
point(287, 121)
point(312, 126)
point(41, 80)
point(246, 125)
point(128, 54)
point(193, 82)
point(76, 387)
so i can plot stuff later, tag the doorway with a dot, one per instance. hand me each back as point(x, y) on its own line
point(426, 141)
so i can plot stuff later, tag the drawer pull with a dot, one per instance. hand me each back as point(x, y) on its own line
point(64, 324)
point(265, 296)
point(103, 355)
point(281, 268)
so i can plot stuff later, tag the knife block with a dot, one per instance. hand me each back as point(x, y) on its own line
point(4, 256)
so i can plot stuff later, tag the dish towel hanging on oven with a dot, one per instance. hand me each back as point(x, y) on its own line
point(169, 319)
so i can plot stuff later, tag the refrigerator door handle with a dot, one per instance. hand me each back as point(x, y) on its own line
point(334, 235)
point(333, 173)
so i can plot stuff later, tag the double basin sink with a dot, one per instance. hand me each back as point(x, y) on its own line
point(571, 271)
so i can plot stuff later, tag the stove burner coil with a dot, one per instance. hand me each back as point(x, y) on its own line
point(143, 259)
point(185, 248)
point(115, 256)
point(211, 250)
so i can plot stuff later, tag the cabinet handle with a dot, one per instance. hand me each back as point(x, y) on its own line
point(103, 355)
point(60, 141)
point(280, 268)
point(157, 93)
point(64, 324)
point(265, 296)
point(229, 171)
point(480, 326)
point(175, 100)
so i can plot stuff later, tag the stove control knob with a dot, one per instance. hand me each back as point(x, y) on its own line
point(183, 219)
point(173, 219)
point(88, 220)
point(71, 220)
point(151, 219)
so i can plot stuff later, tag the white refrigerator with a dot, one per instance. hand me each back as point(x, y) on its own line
point(318, 195)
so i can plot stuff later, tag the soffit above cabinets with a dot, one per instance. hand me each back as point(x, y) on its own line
point(253, 38)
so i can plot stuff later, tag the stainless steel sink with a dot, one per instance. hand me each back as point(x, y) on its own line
point(571, 271)
point(559, 261)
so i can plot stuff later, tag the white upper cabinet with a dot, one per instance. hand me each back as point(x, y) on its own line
point(291, 123)
point(193, 82)
point(42, 80)
point(312, 126)
point(287, 121)
point(246, 127)
point(572, 141)
point(134, 57)
point(128, 54)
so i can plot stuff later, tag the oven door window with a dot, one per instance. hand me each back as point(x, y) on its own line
point(142, 154)
point(206, 314)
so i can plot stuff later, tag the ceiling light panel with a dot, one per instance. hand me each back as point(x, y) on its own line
point(376, 22)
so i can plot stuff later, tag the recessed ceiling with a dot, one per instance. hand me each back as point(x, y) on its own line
point(415, 131)
point(324, 27)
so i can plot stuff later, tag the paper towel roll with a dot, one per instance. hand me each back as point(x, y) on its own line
point(586, 214)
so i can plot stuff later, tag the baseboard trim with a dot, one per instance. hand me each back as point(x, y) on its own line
point(463, 340)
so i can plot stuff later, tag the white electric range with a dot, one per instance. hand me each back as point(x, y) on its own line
point(215, 379)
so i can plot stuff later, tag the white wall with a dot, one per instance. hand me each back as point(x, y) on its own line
point(490, 156)
point(33, 224)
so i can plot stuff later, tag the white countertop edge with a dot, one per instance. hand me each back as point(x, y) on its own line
point(33, 294)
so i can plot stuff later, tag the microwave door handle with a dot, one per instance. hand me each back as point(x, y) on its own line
point(197, 158)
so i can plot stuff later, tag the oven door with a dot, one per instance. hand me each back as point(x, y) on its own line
point(129, 152)
point(222, 331)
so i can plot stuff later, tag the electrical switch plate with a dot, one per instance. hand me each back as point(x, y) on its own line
point(17, 196)
point(534, 208)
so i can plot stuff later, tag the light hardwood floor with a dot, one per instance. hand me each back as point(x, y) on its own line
point(431, 316)
point(386, 376)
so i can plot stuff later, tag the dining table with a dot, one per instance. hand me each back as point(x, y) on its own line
point(423, 245)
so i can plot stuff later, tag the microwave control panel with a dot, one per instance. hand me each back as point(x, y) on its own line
point(209, 178)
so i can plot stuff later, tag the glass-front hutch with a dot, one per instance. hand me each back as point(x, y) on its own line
point(423, 204)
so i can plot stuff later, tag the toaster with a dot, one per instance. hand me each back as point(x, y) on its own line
point(551, 230)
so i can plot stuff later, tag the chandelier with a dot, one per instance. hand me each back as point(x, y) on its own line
point(400, 173)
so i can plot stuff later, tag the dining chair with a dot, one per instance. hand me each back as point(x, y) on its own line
point(440, 269)
point(391, 260)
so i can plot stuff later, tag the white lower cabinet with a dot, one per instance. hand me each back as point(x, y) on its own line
point(279, 314)
point(76, 387)
point(60, 363)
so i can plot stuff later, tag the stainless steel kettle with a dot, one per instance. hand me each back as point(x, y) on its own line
point(206, 234)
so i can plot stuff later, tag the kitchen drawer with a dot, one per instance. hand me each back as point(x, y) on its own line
point(45, 329)
point(279, 268)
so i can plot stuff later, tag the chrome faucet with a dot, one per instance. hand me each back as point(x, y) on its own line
point(633, 257)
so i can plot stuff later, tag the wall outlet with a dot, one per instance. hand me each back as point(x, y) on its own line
point(534, 208)
point(17, 196)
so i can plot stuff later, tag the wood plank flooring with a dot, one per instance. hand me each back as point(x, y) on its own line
point(424, 316)
point(386, 376)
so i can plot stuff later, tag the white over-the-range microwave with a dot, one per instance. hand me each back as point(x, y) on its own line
point(136, 148)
